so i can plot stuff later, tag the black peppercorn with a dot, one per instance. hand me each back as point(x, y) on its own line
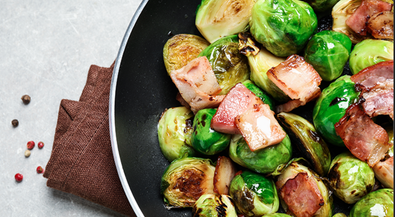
point(15, 123)
point(26, 99)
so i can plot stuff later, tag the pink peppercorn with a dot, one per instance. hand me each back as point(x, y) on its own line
point(18, 177)
point(40, 145)
point(39, 169)
point(30, 145)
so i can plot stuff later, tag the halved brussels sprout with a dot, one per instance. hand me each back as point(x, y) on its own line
point(185, 180)
point(260, 61)
point(350, 178)
point(219, 18)
point(262, 161)
point(311, 145)
point(376, 203)
point(253, 194)
point(282, 26)
point(331, 106)
point(175, 132)
point(230, 67)
point(214, 205)
point(369, 52)
point(328, 53)
point(204, 139)
point(259, 93)
point(182, 48)
point(298, 191)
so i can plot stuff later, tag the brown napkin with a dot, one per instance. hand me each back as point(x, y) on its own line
point(81, 162)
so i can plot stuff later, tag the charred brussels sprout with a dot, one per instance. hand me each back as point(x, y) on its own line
point(253, 194)
point(259, 93)
point(331, 106)
point(262, 161)
point(282, 26)
point(322, 7)
point(214, 205)
point(309, 142)
point(369, 52)
point(230, 67)
point(175, 132)
point(185, 180)
point(180, 49)
point(219, 18)
point(328, 51)
point(204, 139)
point(376, 203)
point(350, 178)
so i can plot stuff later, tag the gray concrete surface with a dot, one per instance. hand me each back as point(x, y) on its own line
point(46, 49)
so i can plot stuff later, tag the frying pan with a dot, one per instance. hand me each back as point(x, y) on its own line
point(140, 91)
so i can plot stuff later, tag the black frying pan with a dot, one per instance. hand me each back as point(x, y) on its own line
point(140, 91)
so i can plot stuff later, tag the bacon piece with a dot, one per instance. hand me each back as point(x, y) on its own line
point(225, 171)
point(293, 104)
point(358, 20)
point(197, 83)
point(296, 78)
point(384, 172)
point(372, 75)
point(302, 196)
point(366, 140)
point(381, 25)
point(238, 100)
point(379, 100)
point(259, 127)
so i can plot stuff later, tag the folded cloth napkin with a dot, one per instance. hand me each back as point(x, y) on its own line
point(81, 162)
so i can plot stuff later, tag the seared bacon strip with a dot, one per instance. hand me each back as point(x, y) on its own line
point(366, 140)
point(259, 127)
point(372, 75)
point(293, 104)
point(296, 78)
point(381, 25)
point(197, 84)
point(379, 100)
point(302, 196)
point(358, 20)
point(237, 101)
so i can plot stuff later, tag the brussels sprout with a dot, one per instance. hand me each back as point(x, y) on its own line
point(230, 66)
point(219, 18)
point(259, 93)
point(175, 132)
point(180, 49)
point(328, 52)
point(204, 139)
point(214, 205)
point(350, 178)
point(322, 7)
point(253, 194)
point(376, 203)
point(312, 146)
point(262, 161)
point(282, 26)
point(339, 215)
point(331, 106)
point(369, 52)
point(185, 180)
point(290, 173)
point(277, 215)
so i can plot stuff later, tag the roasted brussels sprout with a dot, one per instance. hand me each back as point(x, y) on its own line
point(185, 180)
point(328, 51)
point(259, 93)
point(331, 106)
point(261, 161)
point(282, 26)
point(214, 205)
point(219, 18)
point(230, 66)
point(369, 52)
point(182, 48)
point(339, 215)
point(322, 7)
point(204, 139)
point(175, 132)
point(350, 178)
point(277, 215)
point(253, 194)
point(301, 192)
point(312, 146)
point(376, 203)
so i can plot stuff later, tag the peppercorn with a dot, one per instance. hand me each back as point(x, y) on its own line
point(27, 153)
point(40, 145)
point(15, 123)
point(18, 177)
point(39, 169)
point(30, 145)
point(25, 99)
